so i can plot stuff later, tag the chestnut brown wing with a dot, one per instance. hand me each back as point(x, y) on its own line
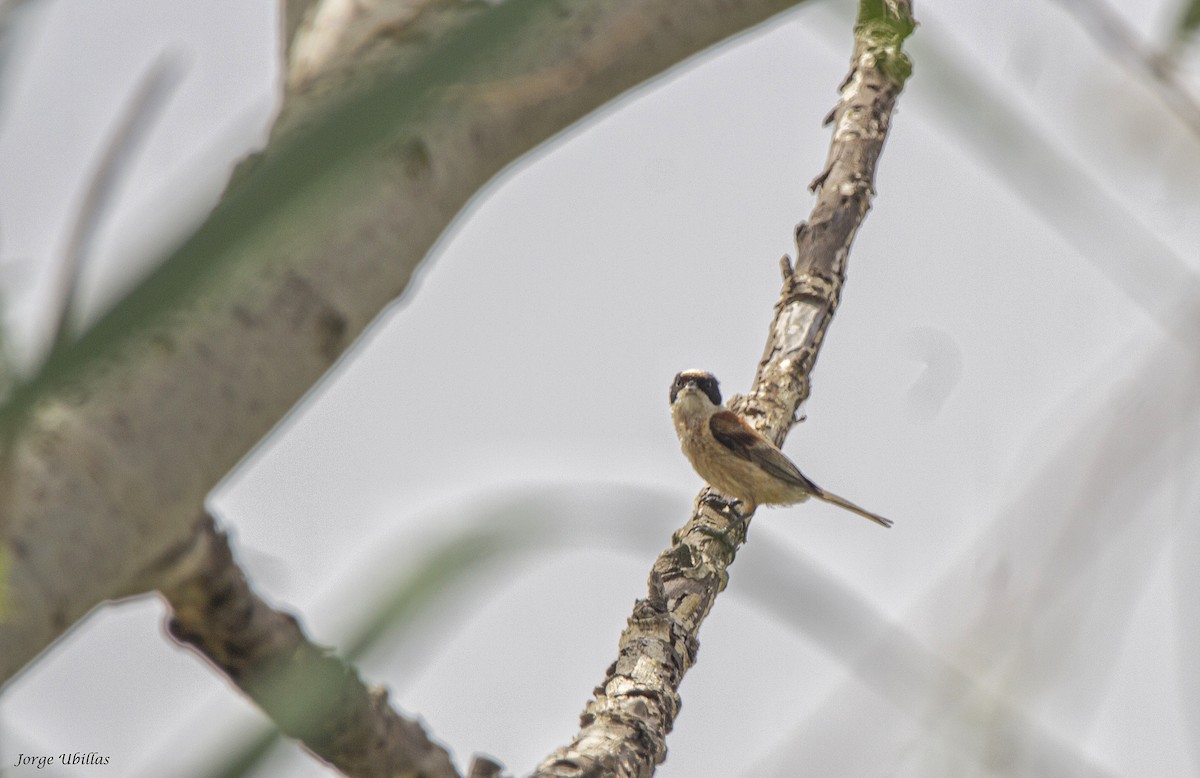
point(741, 439)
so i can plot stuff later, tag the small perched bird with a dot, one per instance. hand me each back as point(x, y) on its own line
point(734, 457)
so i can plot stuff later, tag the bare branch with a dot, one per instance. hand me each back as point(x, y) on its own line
point(844, 189)
point(624, 728)
point(310, 693)
point(482, 767)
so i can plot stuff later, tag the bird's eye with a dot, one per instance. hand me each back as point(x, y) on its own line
point(708, 385)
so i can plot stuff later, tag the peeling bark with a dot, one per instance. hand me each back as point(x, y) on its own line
point(624, 727)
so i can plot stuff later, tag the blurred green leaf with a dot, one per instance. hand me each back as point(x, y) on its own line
point(442, 568)
point(137, 119)
point(1189, 21)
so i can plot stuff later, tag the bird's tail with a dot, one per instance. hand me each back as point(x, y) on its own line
point(842, 502)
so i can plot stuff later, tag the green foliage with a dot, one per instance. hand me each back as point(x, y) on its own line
point(881, 29)
point(1189, 22)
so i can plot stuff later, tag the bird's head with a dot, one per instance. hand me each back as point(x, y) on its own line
point(695, 391)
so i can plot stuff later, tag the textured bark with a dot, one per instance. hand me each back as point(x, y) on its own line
point(624, 727)
point(482, 767)
point(123, 436)
point(308, 692)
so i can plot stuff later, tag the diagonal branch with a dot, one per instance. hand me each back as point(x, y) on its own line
point(812, 290)
point(624, 728)
point(310, 693)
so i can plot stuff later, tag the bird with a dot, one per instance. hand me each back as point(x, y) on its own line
point(737, 459)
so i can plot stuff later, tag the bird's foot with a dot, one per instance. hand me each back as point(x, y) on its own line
point(727, 507)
